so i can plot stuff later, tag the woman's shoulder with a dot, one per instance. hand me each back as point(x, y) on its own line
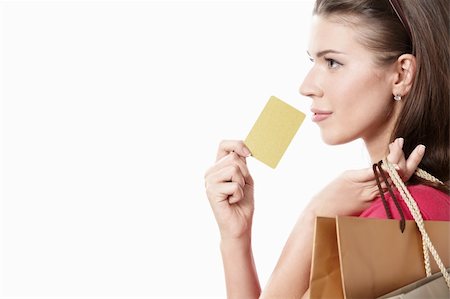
point(433, 204)
point(425, 190)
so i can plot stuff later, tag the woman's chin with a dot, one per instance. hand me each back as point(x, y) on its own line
point(330, 139)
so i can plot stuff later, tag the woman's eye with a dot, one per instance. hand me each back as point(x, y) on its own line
point(332, 64)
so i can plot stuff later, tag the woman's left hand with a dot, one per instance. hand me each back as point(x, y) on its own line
point(354, 190)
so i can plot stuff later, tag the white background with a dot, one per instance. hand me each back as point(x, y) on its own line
point(111, 114)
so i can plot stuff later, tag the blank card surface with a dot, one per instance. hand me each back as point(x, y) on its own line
point(273, 131)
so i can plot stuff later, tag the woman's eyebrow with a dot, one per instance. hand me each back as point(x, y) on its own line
point(324, 52)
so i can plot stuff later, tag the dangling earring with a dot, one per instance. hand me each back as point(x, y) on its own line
point(398, 97)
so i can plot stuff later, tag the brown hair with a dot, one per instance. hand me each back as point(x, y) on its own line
point(420, 28)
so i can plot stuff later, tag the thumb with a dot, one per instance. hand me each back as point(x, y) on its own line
point(228, 146)
point(361, 175)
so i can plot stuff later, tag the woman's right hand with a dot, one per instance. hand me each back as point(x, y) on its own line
point(229, 187)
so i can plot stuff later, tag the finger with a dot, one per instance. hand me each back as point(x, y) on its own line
point(228, 146)
point(361, 175)
point(230, 173)
point(230, 191)
point(237, 195)
point(383, 184)
point(397, 157)
point(414, 160)
point(232, 159)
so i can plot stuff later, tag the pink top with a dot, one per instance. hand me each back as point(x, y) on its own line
point(433, 204)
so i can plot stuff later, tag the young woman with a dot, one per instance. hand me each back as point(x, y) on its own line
point(380, 72)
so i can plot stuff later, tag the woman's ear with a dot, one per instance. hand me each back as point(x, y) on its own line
point(406, 72)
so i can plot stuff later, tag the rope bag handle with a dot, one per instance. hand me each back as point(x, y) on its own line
point(427, 246)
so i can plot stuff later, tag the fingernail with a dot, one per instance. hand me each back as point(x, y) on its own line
point(400, 142)
point(246, 152)
point(421, 149)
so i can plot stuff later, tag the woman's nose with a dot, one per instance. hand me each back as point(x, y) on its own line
point(310, 87)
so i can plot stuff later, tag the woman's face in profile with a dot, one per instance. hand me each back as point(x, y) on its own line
point(351, 95)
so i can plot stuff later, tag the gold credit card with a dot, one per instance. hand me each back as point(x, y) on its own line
point(273, 131)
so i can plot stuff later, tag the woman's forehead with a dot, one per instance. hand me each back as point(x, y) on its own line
point(330, 34)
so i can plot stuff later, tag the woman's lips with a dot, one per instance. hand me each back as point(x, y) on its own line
point(320, 115)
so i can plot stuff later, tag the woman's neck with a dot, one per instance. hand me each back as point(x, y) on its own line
point(377, 144)
point(377, 148)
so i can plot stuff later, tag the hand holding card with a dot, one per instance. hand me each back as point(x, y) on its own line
point(273, 131)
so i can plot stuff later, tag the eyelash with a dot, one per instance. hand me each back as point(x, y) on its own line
point(332, 64)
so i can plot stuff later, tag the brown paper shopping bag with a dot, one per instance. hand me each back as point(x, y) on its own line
point(325, 266)
point(366, 258)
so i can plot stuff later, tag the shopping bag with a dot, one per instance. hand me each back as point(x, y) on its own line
point(367, 258)
point(428, 287)
point(325, 276)
point(377, 258)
